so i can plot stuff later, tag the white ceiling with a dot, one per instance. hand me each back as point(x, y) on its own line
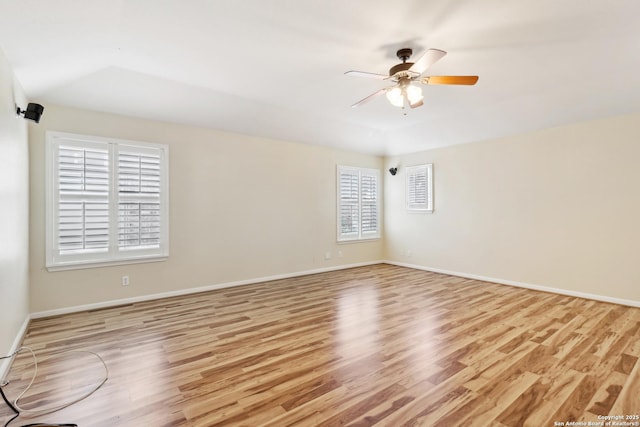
point(274, 68)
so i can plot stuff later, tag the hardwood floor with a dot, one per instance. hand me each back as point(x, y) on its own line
point(381, 345)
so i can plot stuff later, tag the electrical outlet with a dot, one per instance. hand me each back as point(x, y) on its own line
point(327, 256)
point(125, 280)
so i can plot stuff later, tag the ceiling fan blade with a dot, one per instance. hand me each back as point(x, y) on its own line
point(430, 57)
point(449, 80)
point(417, 104)
point(365, 74)
point(370, 97)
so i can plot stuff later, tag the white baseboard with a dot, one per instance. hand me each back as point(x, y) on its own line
point(113, 303)
point(6, 363)
point(595, 297)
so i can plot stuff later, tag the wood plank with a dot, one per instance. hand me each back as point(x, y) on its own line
point(375, 345)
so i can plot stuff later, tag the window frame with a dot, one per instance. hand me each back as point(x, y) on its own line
point(414, 171)
point(360, 235)
point(113, 254)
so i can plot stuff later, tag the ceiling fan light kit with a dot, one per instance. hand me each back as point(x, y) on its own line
point(398, 94)
point(407, 76)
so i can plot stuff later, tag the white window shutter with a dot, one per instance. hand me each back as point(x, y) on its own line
point(349, 212)
point(369, 203)
point(107, 201)
point(139, 182)
point(419, 188)
point(358, 203)
point(83, 199)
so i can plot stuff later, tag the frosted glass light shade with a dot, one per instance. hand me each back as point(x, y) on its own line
point(395, 97)
point(414, 94)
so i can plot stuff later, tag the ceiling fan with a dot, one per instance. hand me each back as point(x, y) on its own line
point(406, 74)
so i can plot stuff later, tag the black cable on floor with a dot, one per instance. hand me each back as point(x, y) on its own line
point(10, 406)
point(17, 413)
point(49, 425)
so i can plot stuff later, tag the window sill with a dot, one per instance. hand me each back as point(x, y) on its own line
point(85, 265)
point(365, 240)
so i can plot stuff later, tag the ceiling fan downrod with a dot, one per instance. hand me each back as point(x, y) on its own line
point(404, 54)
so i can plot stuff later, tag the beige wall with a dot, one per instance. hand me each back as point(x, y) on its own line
point(556, 208)
point(14, 212)
point(241, 208)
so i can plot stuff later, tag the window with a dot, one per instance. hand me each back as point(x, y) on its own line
point(419, 188)
point(358, 203)
point(107, 201)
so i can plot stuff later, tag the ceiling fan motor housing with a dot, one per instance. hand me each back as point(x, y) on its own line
point(400, 67)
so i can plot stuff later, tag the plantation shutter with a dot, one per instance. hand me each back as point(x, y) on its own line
point(139, 183)
point(358, 203)
point(369, 203)
point(106, 201)
point(419, 192)
point(349, 213)
point(83, 202)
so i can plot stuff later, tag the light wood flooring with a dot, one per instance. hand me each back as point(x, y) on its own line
point(379, 345)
